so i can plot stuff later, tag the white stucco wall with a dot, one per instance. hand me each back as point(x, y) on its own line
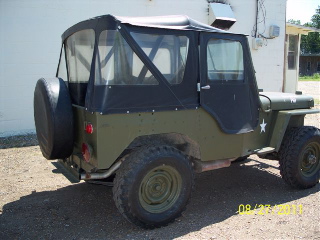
point(30, 39)
point(269, 59)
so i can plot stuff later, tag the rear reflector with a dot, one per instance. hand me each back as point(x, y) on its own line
point(89, 128)
point(86, 152)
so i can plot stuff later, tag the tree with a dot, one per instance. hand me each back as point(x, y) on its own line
point(298, 22)
point(310, 44)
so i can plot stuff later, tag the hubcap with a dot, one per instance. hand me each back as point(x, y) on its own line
point(310, 163)
point(312, 159)
point(160, 189)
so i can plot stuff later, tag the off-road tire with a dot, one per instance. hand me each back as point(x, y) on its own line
point(299, 147)
point(286, 138)
point(142, 170)
point(53, 118)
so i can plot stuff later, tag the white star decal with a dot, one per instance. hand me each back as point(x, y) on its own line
point(263, 126)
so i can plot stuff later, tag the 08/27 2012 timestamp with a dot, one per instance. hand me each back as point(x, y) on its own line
point(265, 209)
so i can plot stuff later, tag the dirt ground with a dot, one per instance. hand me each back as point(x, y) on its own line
point(38, 202)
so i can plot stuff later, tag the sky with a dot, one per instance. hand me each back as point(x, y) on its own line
point(301, 9)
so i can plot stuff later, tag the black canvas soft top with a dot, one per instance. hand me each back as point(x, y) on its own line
point(164, 96)
point(176, 22)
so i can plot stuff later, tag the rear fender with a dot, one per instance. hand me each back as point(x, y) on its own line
point(287, 119)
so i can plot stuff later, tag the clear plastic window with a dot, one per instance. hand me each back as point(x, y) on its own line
point(79, 50)
point(118, 63)
point(167, 52)
point(225, 60)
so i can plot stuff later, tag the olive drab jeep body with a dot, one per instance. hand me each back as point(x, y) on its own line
point(145, 103)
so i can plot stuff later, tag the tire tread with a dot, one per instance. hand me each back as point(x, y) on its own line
point(125, 175)
point(289, 151)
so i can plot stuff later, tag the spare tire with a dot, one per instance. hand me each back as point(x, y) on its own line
point(53, 118)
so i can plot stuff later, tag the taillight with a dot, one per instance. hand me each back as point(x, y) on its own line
point(89, 128)
point(86, 152)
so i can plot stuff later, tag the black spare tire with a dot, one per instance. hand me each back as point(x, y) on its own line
point(53, 118)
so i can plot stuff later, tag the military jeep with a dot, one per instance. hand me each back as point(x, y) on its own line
point(145, 103)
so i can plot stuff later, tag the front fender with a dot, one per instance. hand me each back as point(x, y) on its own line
point(287, 119)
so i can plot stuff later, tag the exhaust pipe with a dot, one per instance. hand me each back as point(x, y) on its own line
point(89, 176)
point(200, 167)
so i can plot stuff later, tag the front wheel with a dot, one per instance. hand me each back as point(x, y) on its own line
point(300, 157)
point(153, 186)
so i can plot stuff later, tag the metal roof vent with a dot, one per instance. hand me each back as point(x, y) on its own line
point(221, 16)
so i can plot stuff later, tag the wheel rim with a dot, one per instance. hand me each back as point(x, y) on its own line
point(160, 189)
point(310, 163)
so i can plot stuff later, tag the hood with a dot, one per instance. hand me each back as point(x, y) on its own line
point(285, 101)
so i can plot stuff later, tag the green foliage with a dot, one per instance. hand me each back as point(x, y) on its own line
point(315, 77)
point(310, 44)
point(298, 22)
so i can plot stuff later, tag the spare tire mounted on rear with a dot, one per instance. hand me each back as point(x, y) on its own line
point(53, 118)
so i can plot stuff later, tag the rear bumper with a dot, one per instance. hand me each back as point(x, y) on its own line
point(69, 171)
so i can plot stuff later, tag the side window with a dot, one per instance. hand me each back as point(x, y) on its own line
point(62, 71)
point(225, 60)
point(162, 60)
point(79, 50)
point(118, 63)
point(308, 66)
point(167, 52)
point(292, 51)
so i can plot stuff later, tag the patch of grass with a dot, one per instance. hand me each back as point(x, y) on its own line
point(316, 101)
point(308, 79)
point(315, 77)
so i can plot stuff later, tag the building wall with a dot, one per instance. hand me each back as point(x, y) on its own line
point(30, 39)
point(314, 65)
point(268, 60)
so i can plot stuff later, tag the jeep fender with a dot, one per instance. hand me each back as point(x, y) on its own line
point(287, 119)
point(180, 141)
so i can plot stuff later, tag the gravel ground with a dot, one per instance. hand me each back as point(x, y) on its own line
point(311, 88)
point(37, 201)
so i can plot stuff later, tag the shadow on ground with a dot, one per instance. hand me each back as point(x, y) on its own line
point(88, 211)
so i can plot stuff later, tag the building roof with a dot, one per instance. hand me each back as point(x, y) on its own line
point(299, 29)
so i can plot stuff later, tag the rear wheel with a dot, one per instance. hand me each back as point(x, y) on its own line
point(153, 186)
point(300, 157)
